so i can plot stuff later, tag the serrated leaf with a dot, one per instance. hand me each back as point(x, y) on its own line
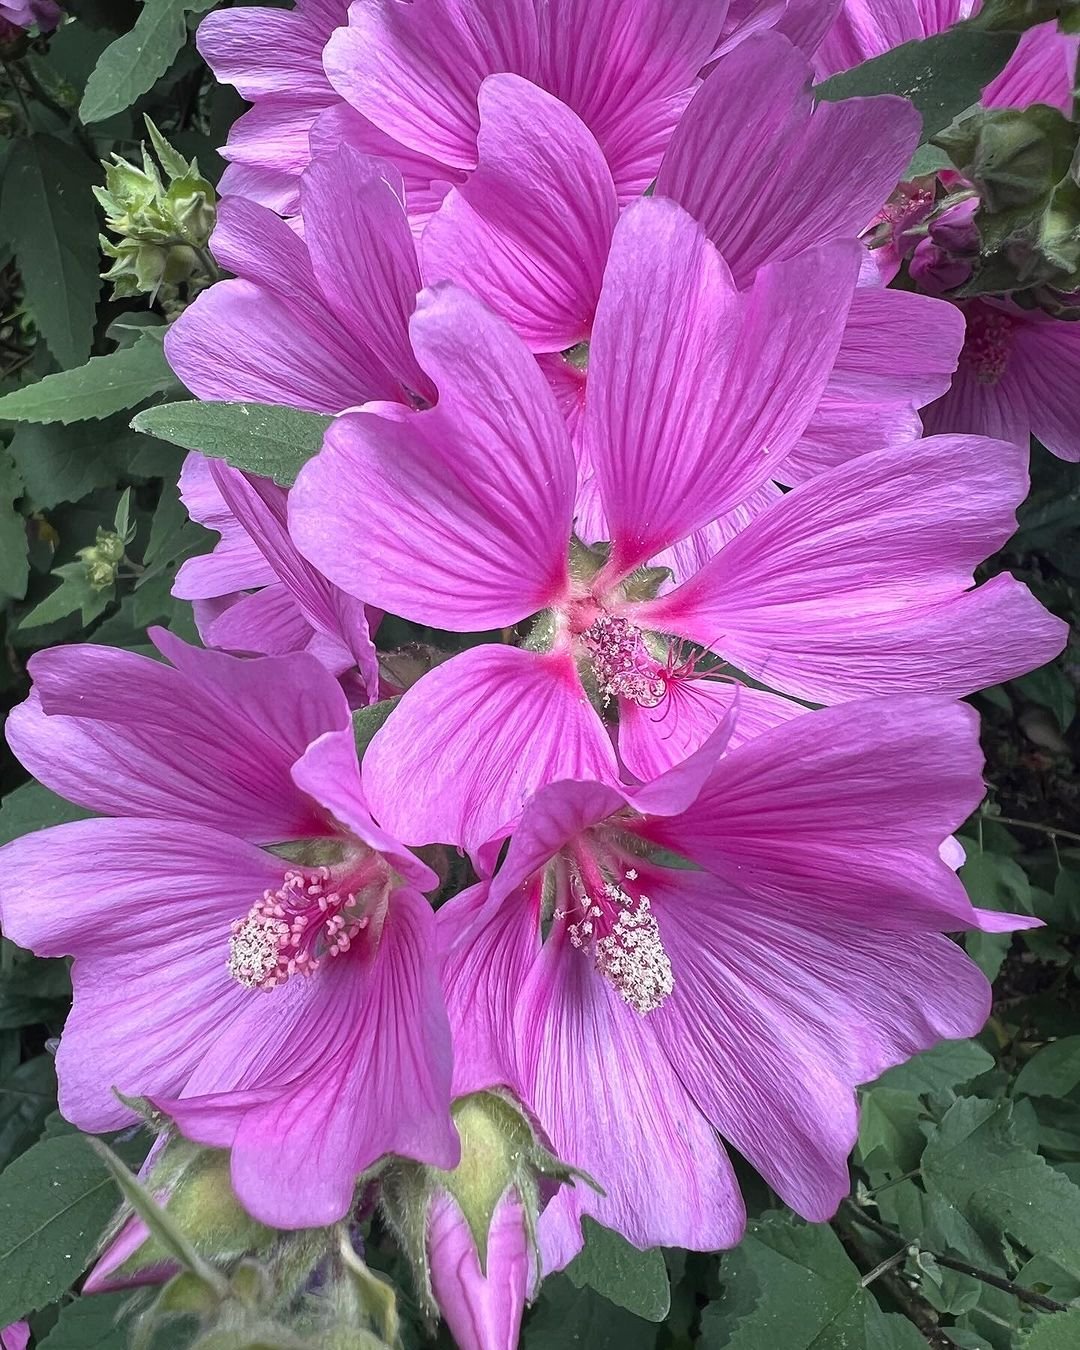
point(256, 437)
point(791, 1285)
point(942, 75)
point(133, 64)
point(90, 1323)
point(33, 807)
point(103, 386)
point(49, 216)
point(1053, 1331)
point(631, 1279)
point(14, 545)
point(62, 464)
point(27, 1096)
point(1002, 1191)
point(1053, 1071)
point(889, 1134)
point(944, 1066)
point(74, 592)
point(55, 1200)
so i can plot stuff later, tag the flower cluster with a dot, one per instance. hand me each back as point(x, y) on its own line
point(652, 848)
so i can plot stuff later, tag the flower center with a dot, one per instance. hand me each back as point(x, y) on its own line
point(989, 342)
point(612, 921)
point(621, 662)
point(310, 918)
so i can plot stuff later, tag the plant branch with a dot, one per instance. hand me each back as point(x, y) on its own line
point(1052, 830)
point(1029, 1296)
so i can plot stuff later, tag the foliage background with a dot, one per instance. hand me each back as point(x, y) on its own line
point(968, 1158)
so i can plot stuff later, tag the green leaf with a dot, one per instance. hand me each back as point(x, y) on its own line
point(1054, 1071)
point(945, 1066)
point(103, 386)
point(634, 1280)
point(49, 216)
point(74, 592)
point(942, 75)
point(567, 1318)
point(133, 64)
point(1051, 688)
point(14, 545)
point(999, 1190)
point(256, 437)
point(889, 1134)
point(55, 1200)
point(62, 464)
point(33, 807)
point(367, 721)
point(27, 1096)
point(37, 991)
point(90, 1323)
point(1053, 1331)
point(791, 1286)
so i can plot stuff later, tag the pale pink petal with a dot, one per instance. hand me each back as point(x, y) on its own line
point(482, 1306)
point(212, 741)
point(601, 1085)
point(270, 51)
point(695, 392)
point(499, 722)
point(497, 234)
point(235, 563)
point(131, 899)
point(792, 175)
point(458, 516)
point(268, 622)
point(652, 740)
point(689, 555)
point(365, 1073)
point(273, 137)
point(1041, 70)
point(627, 68)
point(1044, 373)
point(414, 70)
point(852, 583)
point(841, 809)
point(279, 189)
point(775, 1018)
point(841, 430)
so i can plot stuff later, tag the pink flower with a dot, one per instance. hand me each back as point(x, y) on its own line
point(192, 942)
point(255, 594)
point(43, 15)
point(15, 1337)
point(461, 516)
point(1017, 378)
point(639, 1008)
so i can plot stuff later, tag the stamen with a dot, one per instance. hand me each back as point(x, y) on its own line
point(621, 662)
point(630, 954)
point(988, 343)
point(290, 931)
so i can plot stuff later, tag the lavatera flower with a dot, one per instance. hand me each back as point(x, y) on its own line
point(729, 950)
point(251, 950)
point(463, 517)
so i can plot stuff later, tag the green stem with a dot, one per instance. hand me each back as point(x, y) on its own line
point(1052, 830)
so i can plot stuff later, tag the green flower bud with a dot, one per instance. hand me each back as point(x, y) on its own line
point(102, 559)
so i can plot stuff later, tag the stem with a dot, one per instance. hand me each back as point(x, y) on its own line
point(1029, 1296)
point(883, 1267)
point(10, 73)
point(1052, 830)
point(886, 1185)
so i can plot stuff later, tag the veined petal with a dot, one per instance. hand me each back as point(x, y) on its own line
point(497, 235)
point(235, 563)
point(793, 174)
point(500, 722)
point(458, 516)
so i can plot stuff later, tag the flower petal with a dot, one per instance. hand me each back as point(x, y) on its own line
point(852, 583)
point(497, 235)
point(500, 722)
point(696, 393)
point(793, 174)
point(235, 563)
point(458, 516)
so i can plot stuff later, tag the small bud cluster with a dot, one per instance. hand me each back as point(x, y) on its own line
point(102, 559)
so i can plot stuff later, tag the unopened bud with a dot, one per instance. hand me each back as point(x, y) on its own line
point(102, 559)
point(946, 258)
point(471, 1233)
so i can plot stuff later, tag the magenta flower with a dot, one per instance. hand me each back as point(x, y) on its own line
point(43, 15)
point(255, 594)
point(16, 1336)
point(276, 1001)
point(639, 1009)
point(790, 175)
point(461, 517)
point(317, 322)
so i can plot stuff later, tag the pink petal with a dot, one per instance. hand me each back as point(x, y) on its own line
point(696, 393)
point(235, 563)
point(775, 1017)
point(213, 740)
point(145, 906)
point(269, 51)
point(1041, 70)
point(500, 722)
point(365, 259)
point(1046, 367)
point(867, 28)
point(279, 189)
point(458, 516)
point(414, 70)
point(363, 1071)
point(482, 1307)
point(763, 199)
point(497, 234)
point(602, 1087)
point(851, 584)
point(843, 808)
point(266, 623)
point(653, 740)
point(628, 69)
point(841, 430)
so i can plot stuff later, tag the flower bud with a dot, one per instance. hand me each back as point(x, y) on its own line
point(102, 559)
point(471, 1233)
point(946, 258)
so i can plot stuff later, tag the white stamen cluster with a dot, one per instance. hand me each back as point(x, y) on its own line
point(630, 955)
point(621, 662)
